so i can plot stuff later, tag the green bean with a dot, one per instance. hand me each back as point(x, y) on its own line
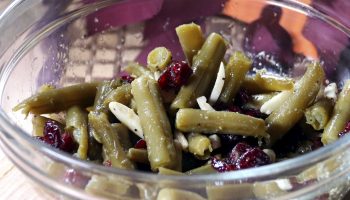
point(267, 190)
point(121, 94)
point(56, 100)
point(191, 39)
point(230, 191)
point(155, 123)
point(258, 100)
point(158, 59)
point(135, 69)
point(260, 83)
point(175, 194)
point(77, 124)
point(123, 134)
point(199, 145)
point(45, 88)
point(38, 125)
point(138, 155)
point(319, 113)
point(110, 187)
point(103, 91)
point(205, 169)
point(320, 169)
point(165, 171)
point(205, 67)
point(203, 121)
point(340, 116)
point(110, 140)
point(292, 110)
point(236, 69)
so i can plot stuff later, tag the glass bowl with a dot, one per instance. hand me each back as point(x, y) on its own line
point(70, 41)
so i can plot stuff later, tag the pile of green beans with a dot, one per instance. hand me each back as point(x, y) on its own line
point(173, 125)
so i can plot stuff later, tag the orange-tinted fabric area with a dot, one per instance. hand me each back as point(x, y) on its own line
point(292, 21)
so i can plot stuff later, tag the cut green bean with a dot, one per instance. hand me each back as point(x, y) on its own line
point(108, 187)
point(158, 59)
point(110, 140)
point(203, 121)
point(56, 100)
point(165, 171)
point(340, 116)
point(205, 169)
point(176, 194)
point(236, 69)
point(199, 145)
point(121, 94)
point(230, 191)
point(261, 83)
point(191, 39)
point(77, 124)
point(103, 91)
point(123, 134)
point(138, 155)
point(136, 70)
point(258, 100)
point(291, 111)
point(38, 125)
point(205, 67)
point(155, 123)
point(319, 113)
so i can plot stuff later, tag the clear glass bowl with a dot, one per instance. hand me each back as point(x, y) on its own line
point(66, 42)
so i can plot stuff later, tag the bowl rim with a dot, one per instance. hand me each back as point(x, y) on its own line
point(263, 172)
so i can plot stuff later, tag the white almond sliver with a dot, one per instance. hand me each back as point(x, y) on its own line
point(156, 75)
point(331, 91)
point(215, 141)
point(203, 105)
point(275, 102)
point(182, 140)
point(219, 84)
point(127, 116)
point(284, 184)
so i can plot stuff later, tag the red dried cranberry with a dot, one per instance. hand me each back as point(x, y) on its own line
point(254, 157)
point(107, 163)
point(346, 130)
point(316, 143)
point(73, 177)
point(222, 165)
point(141, 144)
point(254, 113)
point(234, 108)
point(52, 133)
point(242, 97)
point(68, 144)
point(127, 78)
point(175, 76)
point(238, 151)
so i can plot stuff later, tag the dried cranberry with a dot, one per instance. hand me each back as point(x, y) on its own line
point(68, 144)
point(141, 144)
point(238, 151)
point(254, 157)
point(254, 113)
point(73, 177)
point(346, 130)
point(52, 133)
point(222, 165)
point(127, 78)
point(234, 108)
point(242, 97)
point(175, 76)
point(316, 143)
point(107, 163)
